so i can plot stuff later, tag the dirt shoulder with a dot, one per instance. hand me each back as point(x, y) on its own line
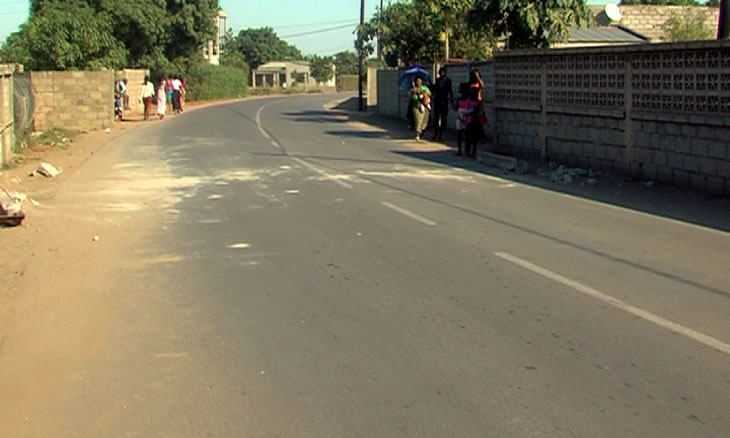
point(45, 230)
point(39, 233)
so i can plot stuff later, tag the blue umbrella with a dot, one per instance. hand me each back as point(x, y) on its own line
point(408, 77)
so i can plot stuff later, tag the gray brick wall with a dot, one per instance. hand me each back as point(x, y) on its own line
point(671, 98)
point(81, 100)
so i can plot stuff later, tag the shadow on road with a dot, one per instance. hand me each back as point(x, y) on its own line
point(675, 203)
point(362, 134)
point(311, 116)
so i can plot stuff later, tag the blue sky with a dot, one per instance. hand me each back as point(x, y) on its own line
point(289, 18)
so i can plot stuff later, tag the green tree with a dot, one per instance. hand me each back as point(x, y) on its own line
point(231, 58)
point(407, 34)
point(321, 68)
point(15, 49)
point(263, 45)
point(528, 23)
point(66, 38)
point(346, 63)
point(688, 26)
point(419, 31)
point(192, 23)
point(154, 33)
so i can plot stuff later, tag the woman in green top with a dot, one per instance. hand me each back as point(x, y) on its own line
point(421, 96)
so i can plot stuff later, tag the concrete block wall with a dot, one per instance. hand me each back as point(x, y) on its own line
point(584, 140)
point(7, 129)
point(135, 79)
point(659, 111)
point(80, 100)
point(518, 133)
point(694, 155)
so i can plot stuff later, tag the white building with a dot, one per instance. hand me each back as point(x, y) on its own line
point(285, 74)
point(212, 50)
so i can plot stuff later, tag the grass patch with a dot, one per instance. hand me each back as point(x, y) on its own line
point(54, 137)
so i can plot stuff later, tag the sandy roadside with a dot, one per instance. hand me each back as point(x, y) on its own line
point(38, 238)
point(44, 234)
point(60, 266)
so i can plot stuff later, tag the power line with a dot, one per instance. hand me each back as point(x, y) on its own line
point(289, 26)
point(312, 32)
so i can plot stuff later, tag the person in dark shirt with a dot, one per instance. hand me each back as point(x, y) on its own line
point(442, 98)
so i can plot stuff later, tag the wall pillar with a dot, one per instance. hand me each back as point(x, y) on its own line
point(628, 130)
point(7, 114)
point(542, 131)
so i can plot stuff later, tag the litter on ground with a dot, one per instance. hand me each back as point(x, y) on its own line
point(48, 170)
point(11, 208)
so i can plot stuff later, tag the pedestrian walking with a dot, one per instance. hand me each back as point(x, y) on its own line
point(162, 99)
point(176, 86)
point(474, 130)
point(168, 84)
point(476, 82)
point(443, 95)
point(148, 91)
point(476, 85)
point(123, 90)
point(421, 98)
point(464, 108)
point(183, 92)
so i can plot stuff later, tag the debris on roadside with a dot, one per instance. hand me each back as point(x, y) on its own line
point(11, 208)
point(503, 162)
point(46, 169)
point(563, 175)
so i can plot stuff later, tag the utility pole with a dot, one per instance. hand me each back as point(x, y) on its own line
point(723, 28)
point(361, 55)
point(380, 24)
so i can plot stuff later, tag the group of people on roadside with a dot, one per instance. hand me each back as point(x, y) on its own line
point(433, 107)
point(169, 95)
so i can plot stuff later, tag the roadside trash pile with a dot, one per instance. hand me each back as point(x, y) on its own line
point(11, 208)
point(11, 203)
point(564, 175)
point(46, 169)
point(504, 162)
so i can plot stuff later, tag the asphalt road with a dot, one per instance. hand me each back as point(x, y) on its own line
point(302, 276)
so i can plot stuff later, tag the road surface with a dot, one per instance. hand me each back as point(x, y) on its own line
point(264, 268)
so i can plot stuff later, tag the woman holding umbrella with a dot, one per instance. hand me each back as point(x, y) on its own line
point(421, 99)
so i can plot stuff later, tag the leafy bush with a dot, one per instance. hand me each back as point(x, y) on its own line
point(68, 37)
point(687, 27)
point(206, 82)
point(260, 91)
point(347, 83)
